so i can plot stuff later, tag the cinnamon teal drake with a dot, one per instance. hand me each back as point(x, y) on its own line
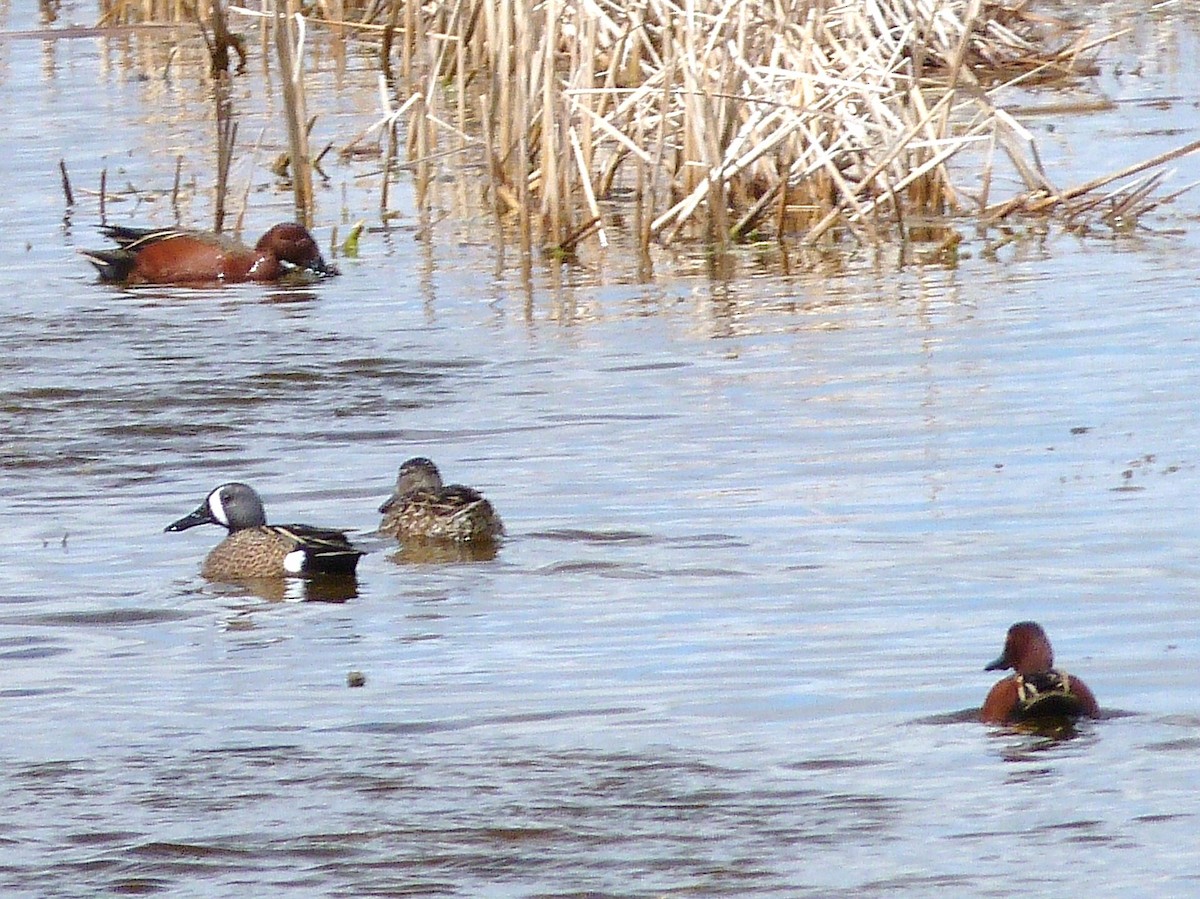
point(1037, 690)
point(181, 256)
point(423, 508)
point(255, 549)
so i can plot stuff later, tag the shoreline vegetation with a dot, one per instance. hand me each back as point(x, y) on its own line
point(804, 122)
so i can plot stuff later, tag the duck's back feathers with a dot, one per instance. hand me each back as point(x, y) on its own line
point(324, 550)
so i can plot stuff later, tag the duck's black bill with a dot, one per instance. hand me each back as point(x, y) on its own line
point(200, 516)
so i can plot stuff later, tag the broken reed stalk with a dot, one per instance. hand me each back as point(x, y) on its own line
point(385, 46)
point(218, 44)
point(175, 186)
point(289, 47)
point(66, 182)
point(389, 156)
point(1043, 203)
point(221, 39)
point(226, 139)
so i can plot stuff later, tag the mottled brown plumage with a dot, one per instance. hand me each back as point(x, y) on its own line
point(255, 549)
point(423, 508)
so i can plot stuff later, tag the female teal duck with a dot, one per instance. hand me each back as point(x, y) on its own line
point(256, 549)
point(423, 508)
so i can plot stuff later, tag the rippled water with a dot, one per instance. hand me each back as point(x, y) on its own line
point(764, 532)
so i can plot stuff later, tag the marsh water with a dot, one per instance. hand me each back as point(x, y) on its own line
point(764, 531)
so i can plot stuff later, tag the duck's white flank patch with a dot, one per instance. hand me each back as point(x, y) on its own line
point(293, 562)
point(217, 508)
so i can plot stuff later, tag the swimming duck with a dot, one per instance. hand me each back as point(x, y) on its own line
point(255, 549)
point(423, 508)
point(1037, 689)
point(184, 256)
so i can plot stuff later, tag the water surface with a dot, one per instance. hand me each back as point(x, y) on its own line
point(764, 533)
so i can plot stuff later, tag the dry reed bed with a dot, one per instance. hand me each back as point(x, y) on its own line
point(722, 119)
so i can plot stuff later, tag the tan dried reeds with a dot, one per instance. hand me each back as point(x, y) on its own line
point(289, 29)
point(716, 120)
point(729, 117)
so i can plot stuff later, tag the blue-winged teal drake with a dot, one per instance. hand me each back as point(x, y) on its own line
point(256, 549)
point(1037, 689)
point(423, 508)
point(182, 256)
